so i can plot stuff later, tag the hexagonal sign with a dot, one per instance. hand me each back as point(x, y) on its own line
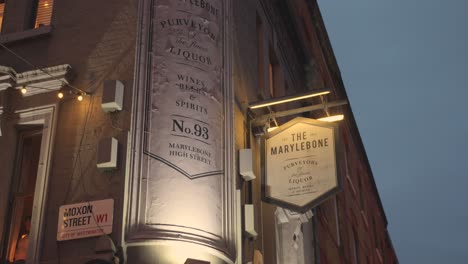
point(301, 164)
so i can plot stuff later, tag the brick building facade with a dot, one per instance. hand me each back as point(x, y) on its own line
point(49, 146)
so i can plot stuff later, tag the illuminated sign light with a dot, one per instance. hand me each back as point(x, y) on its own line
point(331, 118)
point(286, 99)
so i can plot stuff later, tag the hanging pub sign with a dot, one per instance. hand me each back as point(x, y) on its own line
point(301, 164)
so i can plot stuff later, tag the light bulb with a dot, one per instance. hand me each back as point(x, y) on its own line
point(80, 98)
point(60, 95)
point(24, 90)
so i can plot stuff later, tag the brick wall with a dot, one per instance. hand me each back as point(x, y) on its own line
point(98, 40)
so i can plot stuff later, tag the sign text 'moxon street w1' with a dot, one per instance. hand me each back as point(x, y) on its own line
point(301, 164)
point(86, 219)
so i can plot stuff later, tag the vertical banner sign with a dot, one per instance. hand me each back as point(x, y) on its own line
point(184, 139)
point(301, 164)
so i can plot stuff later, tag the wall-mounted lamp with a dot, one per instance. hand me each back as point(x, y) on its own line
point(272, 125)
point(286, 99)
point(246, 164)
point(249, 220)
point(107, 154)
point(112, 96)
point(332, 118)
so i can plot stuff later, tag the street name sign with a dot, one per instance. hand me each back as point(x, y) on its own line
point(86, 219)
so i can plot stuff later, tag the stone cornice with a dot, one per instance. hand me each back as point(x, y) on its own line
point(7, 77)
point(26, 34)
point(36, 81)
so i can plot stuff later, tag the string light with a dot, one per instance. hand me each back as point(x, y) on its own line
point(80, 98)
point(24, 90)
point(60, 95)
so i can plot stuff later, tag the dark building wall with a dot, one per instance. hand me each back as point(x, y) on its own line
point(356, 224)
point(98, 40)
point(260, 40)
point(352, 222)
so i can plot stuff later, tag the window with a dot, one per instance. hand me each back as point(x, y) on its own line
point(2, 11)
point(260, 54)
point(29, 185)
point(328, 212)
point(43, 13)
point(355, 248)
point(359, 175)
point(19, 18)
point(22, 196)
point(270, 77)
point(271, 80)
point(275, 75)
point(337, 221)
point(377, 241)
point(376, 234)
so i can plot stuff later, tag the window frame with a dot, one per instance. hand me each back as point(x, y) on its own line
point(355, 247)
point(18, 195)
point(2, 2)
point(28, 32)
point(45, 117)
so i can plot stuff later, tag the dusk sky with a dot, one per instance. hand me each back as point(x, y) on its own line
point(404, 64)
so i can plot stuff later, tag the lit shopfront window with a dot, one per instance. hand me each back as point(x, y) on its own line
point(22, 195)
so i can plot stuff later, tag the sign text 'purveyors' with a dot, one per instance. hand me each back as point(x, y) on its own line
point(301, 163)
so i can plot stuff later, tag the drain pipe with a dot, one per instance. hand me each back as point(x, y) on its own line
point(316, 240)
